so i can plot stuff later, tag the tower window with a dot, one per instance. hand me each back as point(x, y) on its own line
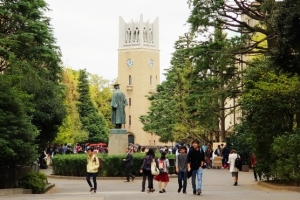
point(150, 80)
point(130, 80)
point(129, 119)
point(130, 139)
point(129, 101)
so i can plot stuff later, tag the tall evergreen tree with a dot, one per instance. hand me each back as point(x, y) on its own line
point(215, 81)
point(18, 134)
point(27, 40)
point(92, 121)
point(71, 129)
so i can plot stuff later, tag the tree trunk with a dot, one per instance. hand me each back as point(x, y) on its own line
point(222, 120)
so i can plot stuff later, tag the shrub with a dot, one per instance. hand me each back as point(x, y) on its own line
point(113, 166)
point(286, 168)
point(36, 181)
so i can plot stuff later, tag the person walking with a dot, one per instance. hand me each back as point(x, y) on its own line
point(128, 164)
point(233, 169)
point(253, 165)
point(146, 170)
point(92, 169)
point(163, 177)
point(195, 164)
point(208, 155)
point(181, 169)
point(225, 154)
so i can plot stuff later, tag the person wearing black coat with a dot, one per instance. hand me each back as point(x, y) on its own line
point(225, 154)
point(128, 164)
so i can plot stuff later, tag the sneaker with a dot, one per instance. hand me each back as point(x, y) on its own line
point(184, 192)
point(199, 192)
point(194, 192)
point(91, 190)
point(164, 190)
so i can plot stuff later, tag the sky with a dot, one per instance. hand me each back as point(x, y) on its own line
point(87, 30)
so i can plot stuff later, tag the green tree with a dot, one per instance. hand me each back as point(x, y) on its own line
point(168, 100)
point(286, 54)
point(234, 16)
point(101, 94)
point(18, 134)
point(158, 120)
point(92, 121)
point(214, 84)
point(71, 130)
point(270, 102)
point(26, 38)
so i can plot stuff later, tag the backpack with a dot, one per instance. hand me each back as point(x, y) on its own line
point(148, 161)
point(161, 166)
point(100, 163)
point(238, 162)
point(217, 152)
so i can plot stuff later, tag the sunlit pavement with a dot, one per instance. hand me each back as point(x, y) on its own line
point(217, 185)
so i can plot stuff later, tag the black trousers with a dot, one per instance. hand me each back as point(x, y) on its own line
point(255, 174)
point(127, 172)
point(94, 175)
point(147, 173)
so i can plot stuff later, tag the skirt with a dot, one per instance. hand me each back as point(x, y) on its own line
point(163, 177)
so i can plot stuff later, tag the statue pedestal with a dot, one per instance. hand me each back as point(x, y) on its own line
point(118, 141)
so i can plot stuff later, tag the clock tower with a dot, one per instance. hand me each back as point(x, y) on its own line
point(138, 74)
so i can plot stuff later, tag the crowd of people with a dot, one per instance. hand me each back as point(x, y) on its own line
point(190, 162)
point(46, 155)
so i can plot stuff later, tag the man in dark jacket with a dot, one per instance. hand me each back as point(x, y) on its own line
point(128, 164)
point(195, 164)
point(225, 154)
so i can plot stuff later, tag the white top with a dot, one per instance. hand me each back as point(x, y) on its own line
point(231, 161)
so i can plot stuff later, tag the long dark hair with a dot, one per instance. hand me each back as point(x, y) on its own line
point(163, 156)
point(151, 153)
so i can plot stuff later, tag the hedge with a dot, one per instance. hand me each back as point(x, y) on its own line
point(113, 166)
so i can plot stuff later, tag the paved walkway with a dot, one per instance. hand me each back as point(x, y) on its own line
point(217, 185)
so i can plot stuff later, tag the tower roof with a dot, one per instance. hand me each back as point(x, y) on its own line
point(138, 33)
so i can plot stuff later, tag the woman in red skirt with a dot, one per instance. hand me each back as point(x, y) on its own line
point(163, 177)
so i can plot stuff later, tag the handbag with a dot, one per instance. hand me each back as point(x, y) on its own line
point(154, 169)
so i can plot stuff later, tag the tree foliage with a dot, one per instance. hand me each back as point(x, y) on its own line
point(18, 134)
point(101, 94)
point(234, 16)
point(214, 83)
point(71, 129)
point(286, 52)
point(270, 102)
point(92, 121)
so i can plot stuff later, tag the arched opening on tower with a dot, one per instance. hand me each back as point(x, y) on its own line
point(130, 139)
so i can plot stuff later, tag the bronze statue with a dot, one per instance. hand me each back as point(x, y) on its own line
point(118, 103)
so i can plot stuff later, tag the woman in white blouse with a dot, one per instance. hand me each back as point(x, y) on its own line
point(234, 171)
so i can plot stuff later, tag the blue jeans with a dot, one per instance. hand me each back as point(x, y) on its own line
point(88, 176)
point(182, 177)
point(197, 172)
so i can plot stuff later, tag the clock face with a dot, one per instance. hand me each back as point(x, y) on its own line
point(129, 62)
point(150, 63)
